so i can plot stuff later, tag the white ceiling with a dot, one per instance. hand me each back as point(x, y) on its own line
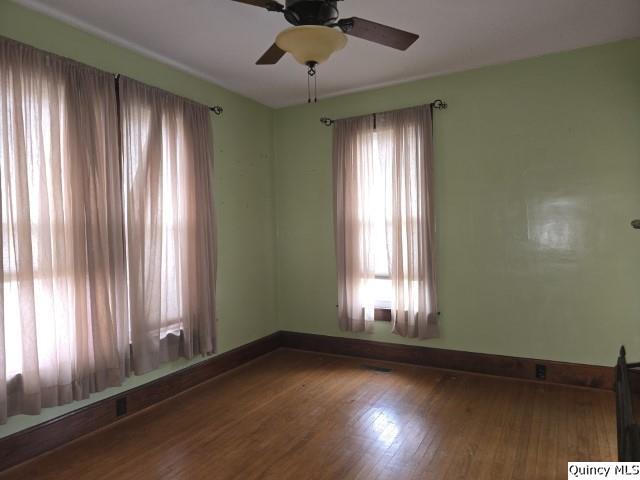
point(220, 40)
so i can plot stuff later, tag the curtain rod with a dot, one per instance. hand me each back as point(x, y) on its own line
point(217, 109)
point(436, 104)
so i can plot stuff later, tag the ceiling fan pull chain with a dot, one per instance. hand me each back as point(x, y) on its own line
point(311, 72)
point(315, 88)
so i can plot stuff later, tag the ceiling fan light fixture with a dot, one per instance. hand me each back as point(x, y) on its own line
point(311, 43)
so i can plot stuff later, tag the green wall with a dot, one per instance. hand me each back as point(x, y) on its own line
point(537, 178)
point(243, 185)
point(538, 172)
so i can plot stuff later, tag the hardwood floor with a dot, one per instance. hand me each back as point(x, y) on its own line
point(299, 415)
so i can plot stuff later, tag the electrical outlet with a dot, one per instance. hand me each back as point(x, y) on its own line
point(121, 406)
point(541, 371)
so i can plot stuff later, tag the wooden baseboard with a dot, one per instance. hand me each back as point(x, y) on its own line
point(31, 442)
point(514, 367)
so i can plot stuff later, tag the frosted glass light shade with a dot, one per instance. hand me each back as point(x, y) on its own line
point(311, 43)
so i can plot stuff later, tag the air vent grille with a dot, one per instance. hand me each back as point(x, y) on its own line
point(377, 368)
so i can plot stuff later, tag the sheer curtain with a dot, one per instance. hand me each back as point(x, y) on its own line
point(407, 149)
point(170, 225)
point(383, 174)
point(63, 314)
point(354, 179)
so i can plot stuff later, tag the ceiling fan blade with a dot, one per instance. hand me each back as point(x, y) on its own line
point(376, 32)
point(271, 56)
point(271, 5)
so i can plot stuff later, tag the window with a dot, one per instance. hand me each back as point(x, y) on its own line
point(165, 195)
point(381, 288)
point(384, 221)
point(38, 227)
point(61, 305)
point(79, 185)
point(170, 231)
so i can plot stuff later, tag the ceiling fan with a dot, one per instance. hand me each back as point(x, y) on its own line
point(318, 31)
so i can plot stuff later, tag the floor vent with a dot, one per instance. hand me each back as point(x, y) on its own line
point(376, 368)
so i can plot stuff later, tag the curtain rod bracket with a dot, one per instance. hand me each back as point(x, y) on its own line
point(327, 122)
point(439, 104)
